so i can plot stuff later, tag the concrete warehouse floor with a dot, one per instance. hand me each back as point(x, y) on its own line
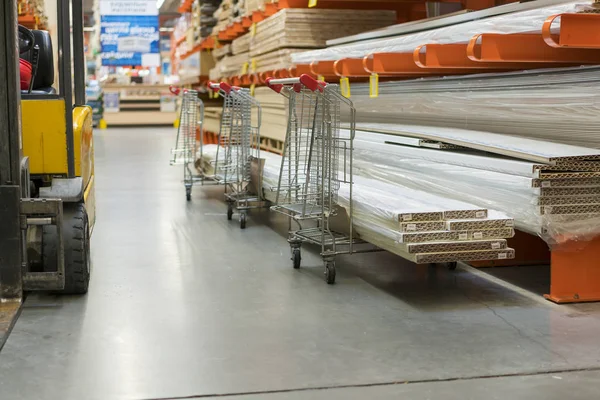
point(184, 304)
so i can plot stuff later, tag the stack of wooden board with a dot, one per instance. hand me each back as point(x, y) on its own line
point(228, 66)
point(507, 103)
point(552, 190)
point(426, 228)
point(274, 60)
point(311, 28)
point(254, 5)
point(419, 226)
point(274, 118)
point(241, 45)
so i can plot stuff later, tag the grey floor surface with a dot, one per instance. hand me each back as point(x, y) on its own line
point(185, 304)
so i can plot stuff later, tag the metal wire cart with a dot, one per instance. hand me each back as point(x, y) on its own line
point(186, 145)
point(317, 159)
point(237, 163)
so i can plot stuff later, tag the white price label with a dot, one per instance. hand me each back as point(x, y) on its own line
point(496, 245)
point(501, 256)
point(463, 236)
point(510, 223)
point(546, 184)
point(477, 235)
point(411, 227)
point(406, 217)
point(480, 214)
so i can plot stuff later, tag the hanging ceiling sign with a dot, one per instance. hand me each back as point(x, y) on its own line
point(129, 33)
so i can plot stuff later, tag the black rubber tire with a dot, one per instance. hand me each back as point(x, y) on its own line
point(296, 258)
point(77, 249)
point(188, 194)
point(229, 212)
point(330, 273)
point(242, 221)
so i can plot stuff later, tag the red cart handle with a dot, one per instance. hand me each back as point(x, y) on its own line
point(304, 79)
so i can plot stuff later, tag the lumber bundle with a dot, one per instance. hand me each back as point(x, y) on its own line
point(254, 5)
point(311, 28)
point(222, 51)
point(228, 66)
point(241, 45)
point(274, 115)
point(274, 60)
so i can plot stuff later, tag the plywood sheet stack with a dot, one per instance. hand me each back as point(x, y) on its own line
point(274, 118)
point(224, 15)
point(311, 28)
point(426, 228)
point(274, 60)
point(241, 45)
point(228, 66)
point(254, 5)
point(414, 224)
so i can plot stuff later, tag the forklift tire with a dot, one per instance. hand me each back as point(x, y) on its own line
point(77, 249)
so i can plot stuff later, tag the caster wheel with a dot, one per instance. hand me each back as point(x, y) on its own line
point(229, 212)
point(452, 265)
point(242, 221)
point(330, 272)
point(296, 258)
point(188, 194)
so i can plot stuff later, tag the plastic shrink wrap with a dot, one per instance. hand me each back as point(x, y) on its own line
point(518, 22)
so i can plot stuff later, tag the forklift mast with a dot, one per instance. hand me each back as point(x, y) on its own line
point(18, 210)
point(10, 171)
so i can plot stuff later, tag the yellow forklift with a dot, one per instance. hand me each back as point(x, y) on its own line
point(47, 209)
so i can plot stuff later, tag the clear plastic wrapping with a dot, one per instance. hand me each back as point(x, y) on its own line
point(519, 22)
point(502, 103)
point(512, 194)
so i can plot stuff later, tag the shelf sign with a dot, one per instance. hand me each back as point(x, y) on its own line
point(129, 33)
point(374, 86)
point(111, 102)
point(345, 87)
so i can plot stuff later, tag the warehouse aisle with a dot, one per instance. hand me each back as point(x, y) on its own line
point(183, 303)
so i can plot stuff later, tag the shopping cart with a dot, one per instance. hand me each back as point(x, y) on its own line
point(238, 165)
point(317, 159)
point(186, 145)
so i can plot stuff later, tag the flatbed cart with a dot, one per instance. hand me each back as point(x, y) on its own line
point(191, 118)
point(237, 164)
point(317, 159)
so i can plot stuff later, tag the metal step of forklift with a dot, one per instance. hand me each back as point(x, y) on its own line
point(43, 281)
point(35, 214)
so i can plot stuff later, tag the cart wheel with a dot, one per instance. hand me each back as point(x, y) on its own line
point(188, 194)
point(452, 265)
point(330, 272)
point(296, 258)
point(243, 221)
point(229, 212)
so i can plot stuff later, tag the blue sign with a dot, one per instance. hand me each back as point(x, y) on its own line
point(129, 33)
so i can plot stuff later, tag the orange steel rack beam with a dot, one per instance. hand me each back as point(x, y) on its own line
point(350, 67)
point(576, 30)
point(402, 65)
point(524, 47)
point(454, 56)
point(574, 266)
